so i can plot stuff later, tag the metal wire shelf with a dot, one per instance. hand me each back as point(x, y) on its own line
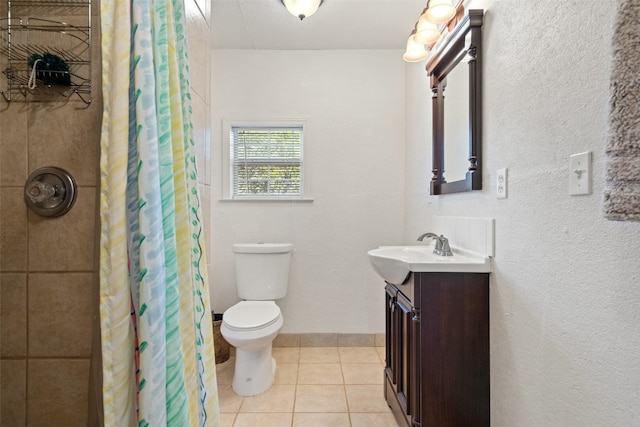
point(23, 38)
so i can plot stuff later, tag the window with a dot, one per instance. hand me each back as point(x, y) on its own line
point(266, 161)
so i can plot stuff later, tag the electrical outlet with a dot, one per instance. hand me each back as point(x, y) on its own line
point(501, 183)
point(580, 173)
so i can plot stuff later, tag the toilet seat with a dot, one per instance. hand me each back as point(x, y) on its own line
point(251, 315)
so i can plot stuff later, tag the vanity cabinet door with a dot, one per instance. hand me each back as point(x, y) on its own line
point(406, 361)
point(455, 356)
point(402, 356)
point(391, 336)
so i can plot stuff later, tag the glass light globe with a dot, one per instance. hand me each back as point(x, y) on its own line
point(440, 11)
point(426, 32)
point(415, 51)
point(302, 8)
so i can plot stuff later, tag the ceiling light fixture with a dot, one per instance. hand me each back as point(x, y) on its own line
point(302, 8)
point(426, 31)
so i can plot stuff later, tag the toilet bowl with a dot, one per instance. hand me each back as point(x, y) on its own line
point(251, 327)
point(262, 276)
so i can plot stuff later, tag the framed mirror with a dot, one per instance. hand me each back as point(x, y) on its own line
point(455, 68)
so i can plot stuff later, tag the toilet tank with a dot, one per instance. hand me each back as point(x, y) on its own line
point(262, 270)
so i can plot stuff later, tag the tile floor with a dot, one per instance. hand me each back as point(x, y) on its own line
point(314, 386)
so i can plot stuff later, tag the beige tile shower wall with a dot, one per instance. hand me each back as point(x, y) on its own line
point(47, 267)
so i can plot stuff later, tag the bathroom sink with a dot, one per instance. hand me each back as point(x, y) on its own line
point(394, 263)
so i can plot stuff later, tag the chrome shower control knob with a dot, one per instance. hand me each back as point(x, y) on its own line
point(38, 191)
point(50, 191)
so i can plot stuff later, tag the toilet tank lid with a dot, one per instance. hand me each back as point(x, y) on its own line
point(262, 248)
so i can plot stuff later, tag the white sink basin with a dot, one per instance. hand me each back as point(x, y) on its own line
point(394, 263)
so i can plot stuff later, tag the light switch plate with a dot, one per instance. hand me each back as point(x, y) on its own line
point(580, 173)
point(501, 183)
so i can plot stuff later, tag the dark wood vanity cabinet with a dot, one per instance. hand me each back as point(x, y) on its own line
point(437, 350)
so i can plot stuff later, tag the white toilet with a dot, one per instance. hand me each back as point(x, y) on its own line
point(262, 276)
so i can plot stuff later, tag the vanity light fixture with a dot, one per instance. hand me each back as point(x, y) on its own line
point(426, 31)
point(415, 50)
point(302, 8)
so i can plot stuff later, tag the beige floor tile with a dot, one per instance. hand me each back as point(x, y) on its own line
point(362, 373)
point(279, 398)
point(224, 371)
point(320, 398)
point(320, 373)
point(286, 373)
point(366, 398)
point(229, 400)
point(315, 400)
point(286, 354)
point(373, 420)
point(302, 419)
point(381, 354)
point(263, 419)
point(226, 420)
point(319, 355)
point(358, 355)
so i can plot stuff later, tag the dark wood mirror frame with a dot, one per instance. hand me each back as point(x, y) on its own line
point(464, 42)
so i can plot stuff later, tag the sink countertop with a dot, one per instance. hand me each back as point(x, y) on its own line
point(394, 263)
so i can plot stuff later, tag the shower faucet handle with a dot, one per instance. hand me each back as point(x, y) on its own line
point(38, 191)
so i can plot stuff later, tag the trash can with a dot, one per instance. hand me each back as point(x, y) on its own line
point(221, 345)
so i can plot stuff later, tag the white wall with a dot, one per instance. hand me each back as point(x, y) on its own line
point(565, 291)
point(354, 102)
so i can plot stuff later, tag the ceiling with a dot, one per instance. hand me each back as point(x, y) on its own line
point(338, 24)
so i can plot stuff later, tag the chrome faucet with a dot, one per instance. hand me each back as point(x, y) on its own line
point(442, 244)
point(434, 235)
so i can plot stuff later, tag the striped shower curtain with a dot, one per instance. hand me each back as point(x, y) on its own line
point(157, 342)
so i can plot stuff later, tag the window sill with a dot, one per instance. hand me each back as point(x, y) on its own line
point(269, 199)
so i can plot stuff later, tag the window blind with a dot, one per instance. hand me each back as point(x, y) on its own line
point(266, 161)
